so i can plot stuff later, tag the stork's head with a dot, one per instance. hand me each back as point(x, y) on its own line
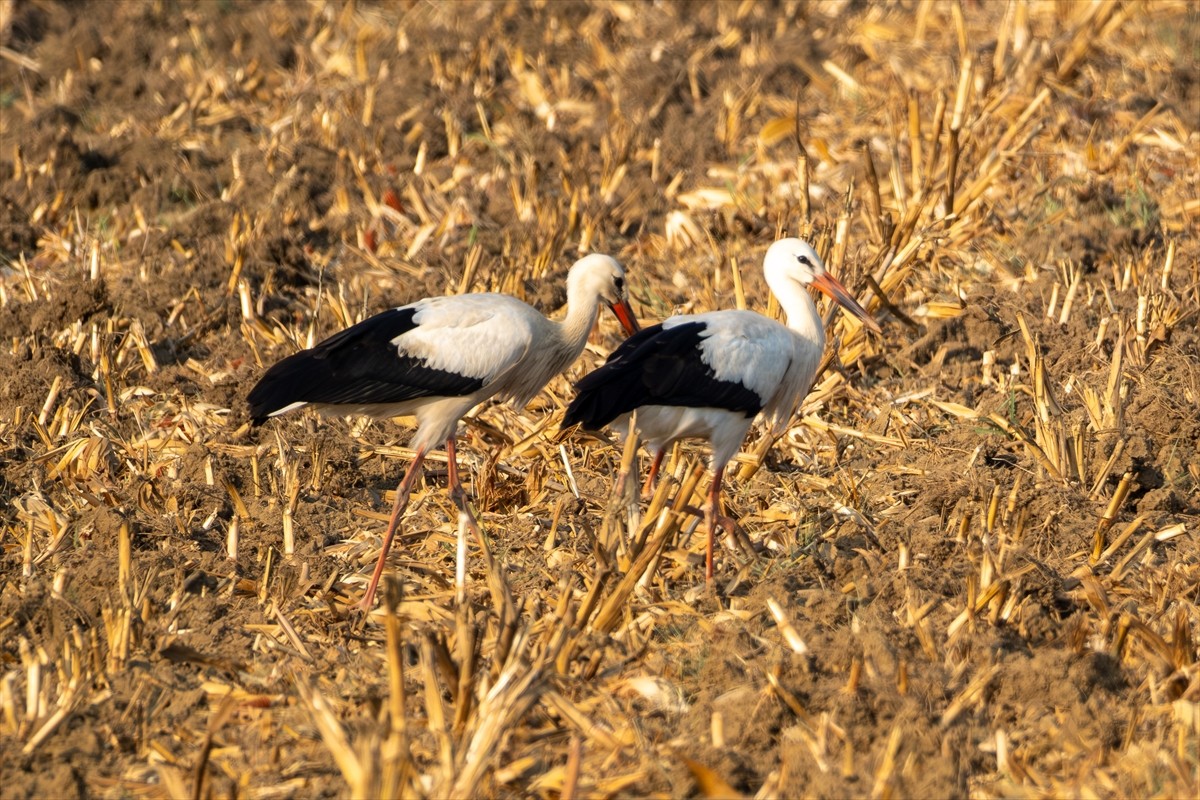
point(602, 277)
point(796, 260)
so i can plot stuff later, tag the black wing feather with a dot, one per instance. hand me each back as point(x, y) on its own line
point(358, 366)
point(656, 366)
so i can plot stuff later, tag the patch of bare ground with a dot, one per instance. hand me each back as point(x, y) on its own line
point(976, 559)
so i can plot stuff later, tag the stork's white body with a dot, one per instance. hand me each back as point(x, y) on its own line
point(775, 362)
point(496, 338)
point(436, 359)
point(709, 375)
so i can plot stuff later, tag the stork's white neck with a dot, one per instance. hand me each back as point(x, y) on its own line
point(798, 305)
point(582, 308)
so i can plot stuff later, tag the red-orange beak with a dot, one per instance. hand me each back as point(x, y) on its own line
point(625, 316)
point(833, 287)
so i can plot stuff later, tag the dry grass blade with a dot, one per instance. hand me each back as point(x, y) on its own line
point(517, 688)
point(609, 613)
point(357, 777)
point(219, 718)
point(709, 781)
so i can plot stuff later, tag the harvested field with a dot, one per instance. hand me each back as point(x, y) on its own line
point(978, 566)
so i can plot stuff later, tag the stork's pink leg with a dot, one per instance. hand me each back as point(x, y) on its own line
point(648, 486)
point(403, 490)
point(456, 490)
point(714, 518)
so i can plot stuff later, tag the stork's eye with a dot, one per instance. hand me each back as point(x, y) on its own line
point(620, 283)
point(804, 260)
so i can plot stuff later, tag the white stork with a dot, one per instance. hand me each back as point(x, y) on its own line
point(436, 359)
point(709, 375)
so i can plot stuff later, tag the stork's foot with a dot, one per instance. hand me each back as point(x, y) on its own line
point(736, 538)
point(458, 496)
point(366, 603)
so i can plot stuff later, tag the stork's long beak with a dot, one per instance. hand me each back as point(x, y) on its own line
point(833, 287)
point(625, 316)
